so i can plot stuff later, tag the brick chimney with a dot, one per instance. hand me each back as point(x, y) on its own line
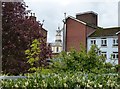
point(32, 17)
point(89, 17)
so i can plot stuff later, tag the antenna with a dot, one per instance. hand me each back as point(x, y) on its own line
point(58, 28)
point(42, 22)
point(65, 15)
point(33, 14)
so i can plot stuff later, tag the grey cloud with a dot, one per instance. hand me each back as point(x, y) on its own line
point(52, 11)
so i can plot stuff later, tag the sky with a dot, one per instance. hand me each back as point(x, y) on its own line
point(52, 11)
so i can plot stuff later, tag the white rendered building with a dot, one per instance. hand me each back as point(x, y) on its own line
point(107, 42)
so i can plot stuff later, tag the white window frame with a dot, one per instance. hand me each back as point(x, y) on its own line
point(103, 42)
point(115, 55)
point(115, 41)
point(93, 41)
point(104, 54)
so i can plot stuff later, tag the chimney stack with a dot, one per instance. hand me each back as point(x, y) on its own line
point(32, 17)
point(89, 17)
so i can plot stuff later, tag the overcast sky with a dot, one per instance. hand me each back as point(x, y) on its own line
point(52, 11)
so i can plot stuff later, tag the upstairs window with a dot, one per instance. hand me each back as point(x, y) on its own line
point(103, 42)
point(115, 42)
point(93, 42)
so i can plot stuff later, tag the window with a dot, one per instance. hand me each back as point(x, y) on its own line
point(115, 55)
point(103, 42)
point(115, 42)
point(104, 54)
point(57, 49)
point(93, 42)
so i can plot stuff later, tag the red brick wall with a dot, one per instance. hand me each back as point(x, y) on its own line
point(119, 48)
point(90, 30)
point(90, 18)
point(75, 34)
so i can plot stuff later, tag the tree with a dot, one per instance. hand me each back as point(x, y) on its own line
point(19, 30)
point(86, 62)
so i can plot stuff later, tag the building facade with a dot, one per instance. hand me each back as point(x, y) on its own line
point(107, 42)
point(83, 29)
point(118, 33)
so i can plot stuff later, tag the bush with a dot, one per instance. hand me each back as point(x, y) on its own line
point(88, 62)
point(64, 80)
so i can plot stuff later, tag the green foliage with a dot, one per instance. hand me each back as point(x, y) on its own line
point(88, 62)
point(81, 70)
point(33, 54)
point(68, 80)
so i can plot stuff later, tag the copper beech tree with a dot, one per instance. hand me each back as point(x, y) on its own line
point(19, 30)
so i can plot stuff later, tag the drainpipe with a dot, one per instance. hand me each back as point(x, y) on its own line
point(64, 33)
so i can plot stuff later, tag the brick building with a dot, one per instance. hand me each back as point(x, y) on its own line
point(78, 29)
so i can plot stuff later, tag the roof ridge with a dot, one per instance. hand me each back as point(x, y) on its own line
point(76, 19)
point(112, 27)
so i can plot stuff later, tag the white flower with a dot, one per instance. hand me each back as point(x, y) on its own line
point(88, 85)
point(94, 85)
point(65, 85)
point(88, 81)
point(35, 81)
point(100, 85)
point(44, 84)
point(16, 85)
point(26, 83)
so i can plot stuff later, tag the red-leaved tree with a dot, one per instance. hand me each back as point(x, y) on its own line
point(19, 30)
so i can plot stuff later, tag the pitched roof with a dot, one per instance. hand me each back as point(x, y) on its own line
point(76, 20)
point(101, 32)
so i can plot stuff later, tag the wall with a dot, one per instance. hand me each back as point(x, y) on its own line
point(90, 18)
point(75, 34)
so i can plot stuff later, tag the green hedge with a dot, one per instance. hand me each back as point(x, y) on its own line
point(65, 80)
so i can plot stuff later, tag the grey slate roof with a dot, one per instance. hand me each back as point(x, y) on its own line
point(101, 32)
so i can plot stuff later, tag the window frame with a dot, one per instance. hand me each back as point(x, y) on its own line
point(115, 55)
point(115, 41)
point(103, 41)
point(93, 41)
point(104, 54)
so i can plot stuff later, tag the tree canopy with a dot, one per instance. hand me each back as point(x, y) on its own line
point(19, 30)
